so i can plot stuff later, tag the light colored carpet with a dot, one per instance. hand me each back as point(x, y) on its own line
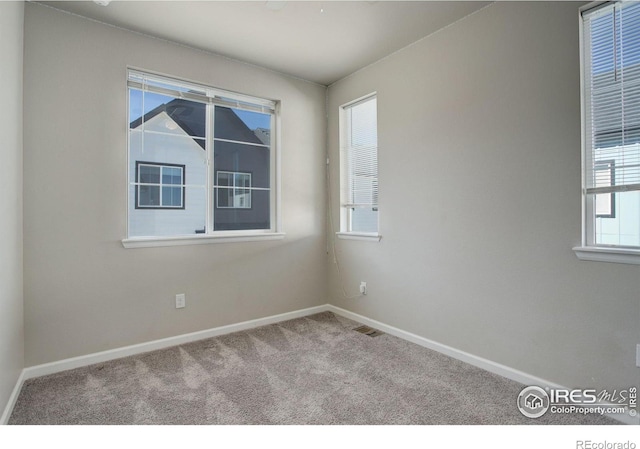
point(312, 370)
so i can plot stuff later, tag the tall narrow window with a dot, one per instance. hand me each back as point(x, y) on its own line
point(359, 167)
point(221, 140)
point(611, 70)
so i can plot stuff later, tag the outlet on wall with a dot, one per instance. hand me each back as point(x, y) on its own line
point(180, 300)
point(363, 288)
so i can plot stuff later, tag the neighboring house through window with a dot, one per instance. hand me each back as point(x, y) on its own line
point(605, 203)
point(222, 140)
point(234, 190)
point(359, 167)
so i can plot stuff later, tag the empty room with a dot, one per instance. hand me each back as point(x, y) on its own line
point(343, 213)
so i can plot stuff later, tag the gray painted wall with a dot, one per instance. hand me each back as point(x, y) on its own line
point(479, 165)
point(479, 134)
point(11, 322)
point(83, 291)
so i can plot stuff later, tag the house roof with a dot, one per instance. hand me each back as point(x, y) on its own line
point(191, 117)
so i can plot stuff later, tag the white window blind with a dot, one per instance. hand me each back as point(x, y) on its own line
point(612, 76)
point(359, 167)
point(196, 92)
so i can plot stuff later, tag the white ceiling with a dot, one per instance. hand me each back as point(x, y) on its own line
point(320, 41)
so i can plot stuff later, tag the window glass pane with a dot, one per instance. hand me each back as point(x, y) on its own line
point(149, 174)
point(154, 112)
point(233, 198)
point(243, 180)
point(172, 196)
point(234, 157)
point(225, 179)
point(255, 217)
point(135, 108)
point(622, 228)
point(364, 220)
point(169, 209)
point(604, 205)
point(149, 102)
point(171, 151)
point(186, 116)
point(242, 198)
point(242, 126)
point(171, 175)
point(149, 196)
point(222, 197)
point(171, 221)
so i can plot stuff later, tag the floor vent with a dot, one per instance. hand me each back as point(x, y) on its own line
point(371, 332)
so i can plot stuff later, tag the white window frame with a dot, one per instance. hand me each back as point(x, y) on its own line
point(345, 209)
point(212, 97)
point(588, 249)
point(159, 185)
point(233, 188)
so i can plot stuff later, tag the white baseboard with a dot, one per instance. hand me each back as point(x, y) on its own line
point(104, 356)
point(487, 365)
point(112, 354)
point(12, 400)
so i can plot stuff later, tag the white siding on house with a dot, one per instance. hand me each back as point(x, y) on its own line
point(173, 146)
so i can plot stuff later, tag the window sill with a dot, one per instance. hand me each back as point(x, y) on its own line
point(608, 254)
point(359, 236)
point(149, 242)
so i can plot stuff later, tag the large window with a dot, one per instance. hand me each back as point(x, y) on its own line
point(222, 140)
point(611, 144)
point(359, 167)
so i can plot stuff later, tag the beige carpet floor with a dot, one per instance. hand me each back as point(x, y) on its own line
point(312, 370)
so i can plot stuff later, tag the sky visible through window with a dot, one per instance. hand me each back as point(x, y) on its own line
point(627, 48)
point(152, 100)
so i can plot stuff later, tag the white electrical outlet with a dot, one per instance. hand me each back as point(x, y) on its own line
point(180, 301)
point(363, 288)
point(638, 356)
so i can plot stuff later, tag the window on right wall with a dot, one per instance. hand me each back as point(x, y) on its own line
point(611, 127)
point(359, 168)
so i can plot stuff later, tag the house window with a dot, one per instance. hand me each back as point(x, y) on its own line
point(359, 167)
point(223, 140)
point(234, 190)
point(611, 123)
point(160, 186)
point(605, 203)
